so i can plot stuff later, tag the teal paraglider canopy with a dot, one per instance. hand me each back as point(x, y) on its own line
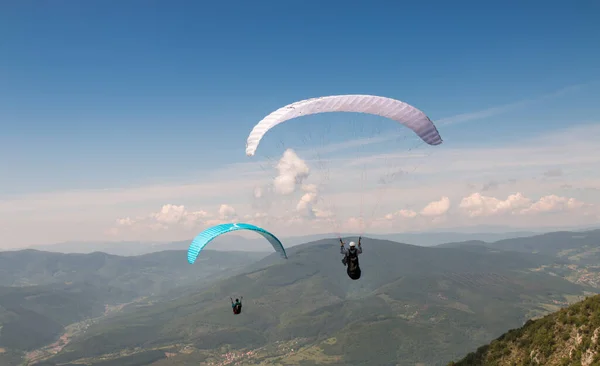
point(209, 234)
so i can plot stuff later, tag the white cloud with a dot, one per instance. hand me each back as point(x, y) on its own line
point(308, 199)
point(554, 203)
point(292, 171)
point(437, 208)
point(226, 212)
point(127, 221)
point(172, 214)
point(408, 214)
point(477, 205)
point(168, 217)
point(434, 209)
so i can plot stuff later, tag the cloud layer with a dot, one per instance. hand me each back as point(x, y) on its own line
point(529, 183)
point(513, 209)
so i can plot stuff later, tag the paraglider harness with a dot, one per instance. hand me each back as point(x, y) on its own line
point(237, 306)
point(351, 263)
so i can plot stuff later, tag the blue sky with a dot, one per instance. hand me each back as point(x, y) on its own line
point(107, 94)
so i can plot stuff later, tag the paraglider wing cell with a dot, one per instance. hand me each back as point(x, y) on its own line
point(396, 110)
point(209, 234)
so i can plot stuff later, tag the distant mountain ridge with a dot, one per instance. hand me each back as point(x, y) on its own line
point(238, 243)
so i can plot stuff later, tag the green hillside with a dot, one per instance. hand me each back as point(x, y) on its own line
point(33, 316)
point(567, 337)
point(413, 304)
point(45, 293)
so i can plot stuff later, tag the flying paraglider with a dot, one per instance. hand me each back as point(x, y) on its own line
point(209, 234)
point(237, 305)
point(396, 110)
point(393, 109)
point(351, 258)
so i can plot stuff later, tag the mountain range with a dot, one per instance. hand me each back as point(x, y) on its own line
point(234, 242)
point(413, 304)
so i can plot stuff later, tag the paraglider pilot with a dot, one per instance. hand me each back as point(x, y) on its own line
point(351, 258)
point(237, 305)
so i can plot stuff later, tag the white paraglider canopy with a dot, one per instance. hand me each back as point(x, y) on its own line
point(396, 110)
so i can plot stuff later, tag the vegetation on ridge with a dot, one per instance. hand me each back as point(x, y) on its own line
point(569, 336)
